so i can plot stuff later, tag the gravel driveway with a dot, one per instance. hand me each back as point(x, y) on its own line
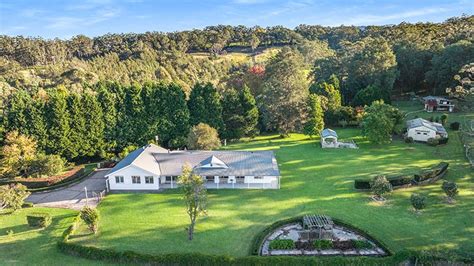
point(73, 196)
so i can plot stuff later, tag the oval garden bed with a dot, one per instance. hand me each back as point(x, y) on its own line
point(318, 235)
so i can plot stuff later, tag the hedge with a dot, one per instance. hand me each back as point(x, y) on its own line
point(43, 184)
point(425, 176)
point(39, 219)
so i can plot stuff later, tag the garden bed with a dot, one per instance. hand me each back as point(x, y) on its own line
point(344, 242)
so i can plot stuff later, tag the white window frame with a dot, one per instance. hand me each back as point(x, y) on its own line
point(148, 179)
point(139, 179)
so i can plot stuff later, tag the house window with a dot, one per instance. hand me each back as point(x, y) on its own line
point(418, 133)
point(168, 178)
point(149, 180)
point(136, 180)
point(425, 134)
point(118, 179)
point(258, 177)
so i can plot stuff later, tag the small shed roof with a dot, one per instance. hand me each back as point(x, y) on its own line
point(317, 221)
point(327, 132)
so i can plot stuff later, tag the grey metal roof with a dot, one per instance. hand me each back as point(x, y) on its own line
point(420, 122)
point(427, 98)
point(239, 163)
point(142, 158)
point(327, 132)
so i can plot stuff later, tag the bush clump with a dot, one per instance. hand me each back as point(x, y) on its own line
point(42, 220)
point(418, 201)
point(361, 244)
point(322, 244)
point(27, 204)
point(433, 141)
point(90, 216)
point(380, 186)
point(403, 180)
point(362, 184)
point(450, 188)
point(455, 125)
point(409, 140)
point(282, 244)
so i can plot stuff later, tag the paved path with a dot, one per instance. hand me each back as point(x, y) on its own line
point(73, 196)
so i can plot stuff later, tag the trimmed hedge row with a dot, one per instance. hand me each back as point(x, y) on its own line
point(39, 219)
point(423, 177)
point(130, 257)
point(43, 184)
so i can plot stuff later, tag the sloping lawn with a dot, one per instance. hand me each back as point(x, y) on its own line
point(314, 181)
point(31, 246)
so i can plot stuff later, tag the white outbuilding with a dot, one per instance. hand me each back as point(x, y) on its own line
point(329, 138)
point(421, 130)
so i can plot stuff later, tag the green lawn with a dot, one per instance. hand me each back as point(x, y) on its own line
point(29, 246)
point(313, 181)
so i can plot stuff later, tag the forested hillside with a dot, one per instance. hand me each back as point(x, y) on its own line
point(93, 97)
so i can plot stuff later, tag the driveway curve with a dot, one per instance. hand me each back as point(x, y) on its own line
point(73, 196)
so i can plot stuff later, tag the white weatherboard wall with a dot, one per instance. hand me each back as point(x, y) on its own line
point(127, 174)
point(421, 133)
point(264, 180)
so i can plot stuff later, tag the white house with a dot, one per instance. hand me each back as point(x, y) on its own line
point(421, 130)
point(435, 103)
point(152, 167)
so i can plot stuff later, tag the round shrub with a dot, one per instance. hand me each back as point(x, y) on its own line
point(418, 201)
point(455, 125)
point(409, 140)
point(361, 244)
point(450, 188)
point(380, 186)
point(433, 141)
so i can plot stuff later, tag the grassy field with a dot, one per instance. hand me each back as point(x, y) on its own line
point(314, 181)
point(28, 246)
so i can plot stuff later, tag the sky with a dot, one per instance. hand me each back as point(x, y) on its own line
point(67, 18)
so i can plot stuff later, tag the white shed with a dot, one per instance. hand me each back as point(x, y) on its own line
point(421, 130)
point(329, 138)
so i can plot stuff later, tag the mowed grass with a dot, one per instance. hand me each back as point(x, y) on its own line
point(314, 181)
point(32, 246)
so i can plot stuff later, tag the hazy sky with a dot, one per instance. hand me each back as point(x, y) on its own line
point(63, 19)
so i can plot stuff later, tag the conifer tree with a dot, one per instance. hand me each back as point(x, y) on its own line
point(205, 106)
point(94, 125)
point(57, 120)
point(77, 129)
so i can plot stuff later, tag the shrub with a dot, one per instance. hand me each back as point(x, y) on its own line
point(361, 244)
point(455, 125)
point(282, 244)
point(418, 201)
point(322, 244)
point(444, 119)
point(432, 141)
point(409, 140)
point(12, 196)
point(203, 137)
point(27, 204)
point(362, 184)
point(443, 140)
point(450, 188)
point(90, 216)
point(39, 219)
point(304, 245)
point(47, 165)
point(380, 186)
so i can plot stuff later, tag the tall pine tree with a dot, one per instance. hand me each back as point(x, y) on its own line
point(240, 114)
point(315, 123)
point(77, 127)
